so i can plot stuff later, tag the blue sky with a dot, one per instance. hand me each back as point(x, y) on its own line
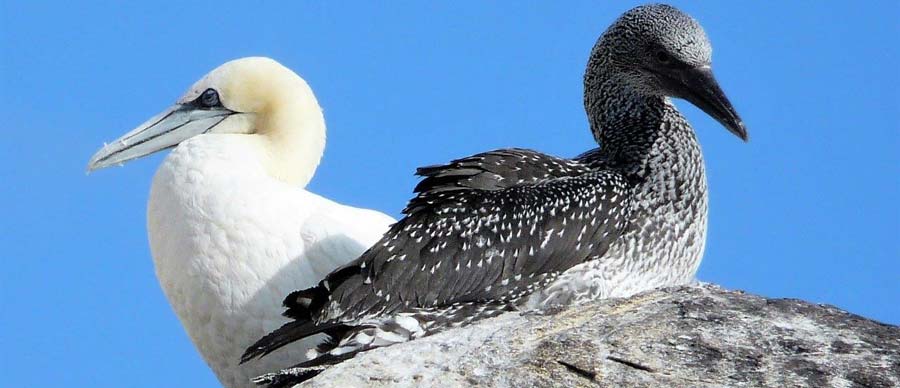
point(808, 209)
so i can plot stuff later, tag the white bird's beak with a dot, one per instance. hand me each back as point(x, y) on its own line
point(165, 130)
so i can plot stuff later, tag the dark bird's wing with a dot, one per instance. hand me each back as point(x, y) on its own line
point(462, 243)
point(473, 245)
point(495, 170)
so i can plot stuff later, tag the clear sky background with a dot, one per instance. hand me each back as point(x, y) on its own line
point(808, 209)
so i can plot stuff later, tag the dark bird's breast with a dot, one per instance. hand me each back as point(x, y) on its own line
point(665, 235)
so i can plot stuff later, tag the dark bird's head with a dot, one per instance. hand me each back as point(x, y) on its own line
point(659, 50)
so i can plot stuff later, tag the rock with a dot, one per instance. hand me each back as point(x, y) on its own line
point(692, 336)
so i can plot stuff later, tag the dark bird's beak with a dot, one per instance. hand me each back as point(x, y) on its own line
point(699, 86)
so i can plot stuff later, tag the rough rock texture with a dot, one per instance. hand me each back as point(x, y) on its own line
point(698, 336)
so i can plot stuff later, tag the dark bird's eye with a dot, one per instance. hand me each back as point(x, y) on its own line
point(209, 98)
point(662, 57)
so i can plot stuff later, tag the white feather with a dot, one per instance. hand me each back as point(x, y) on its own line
point(229, 243)
point(231, 229)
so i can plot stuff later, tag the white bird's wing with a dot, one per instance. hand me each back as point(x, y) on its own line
point(338, 234)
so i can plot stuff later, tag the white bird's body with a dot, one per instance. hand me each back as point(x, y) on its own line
point(231, 229)
point(229, 243)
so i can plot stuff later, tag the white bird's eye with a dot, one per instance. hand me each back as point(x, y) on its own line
point(209, 98)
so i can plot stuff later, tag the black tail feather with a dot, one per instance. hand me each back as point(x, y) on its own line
point(290, 332)
point(302, 304)
point(286, 378)
point(298, 304)
point(301, 372)
point(342, 338)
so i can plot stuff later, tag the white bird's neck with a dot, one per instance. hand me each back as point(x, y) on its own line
point(295, 139)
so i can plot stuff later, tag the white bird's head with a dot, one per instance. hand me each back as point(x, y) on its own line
point(249, 96)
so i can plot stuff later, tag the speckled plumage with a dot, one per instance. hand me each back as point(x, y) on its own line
point(512, 229)
point(643, 135)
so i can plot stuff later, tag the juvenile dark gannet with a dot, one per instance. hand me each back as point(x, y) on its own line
point(497, 231)
point(231, 228)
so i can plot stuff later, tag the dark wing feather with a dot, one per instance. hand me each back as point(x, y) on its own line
point(287, 333)
point(476, 245)
point(514, 215)
point(492, 170)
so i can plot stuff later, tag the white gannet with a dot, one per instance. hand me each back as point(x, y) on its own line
point(231, 228)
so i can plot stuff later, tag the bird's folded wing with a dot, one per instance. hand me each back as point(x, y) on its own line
point(467, 245)
point(492, 170)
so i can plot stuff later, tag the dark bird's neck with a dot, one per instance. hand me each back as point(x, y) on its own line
point(631, 126)
point(645, 137)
